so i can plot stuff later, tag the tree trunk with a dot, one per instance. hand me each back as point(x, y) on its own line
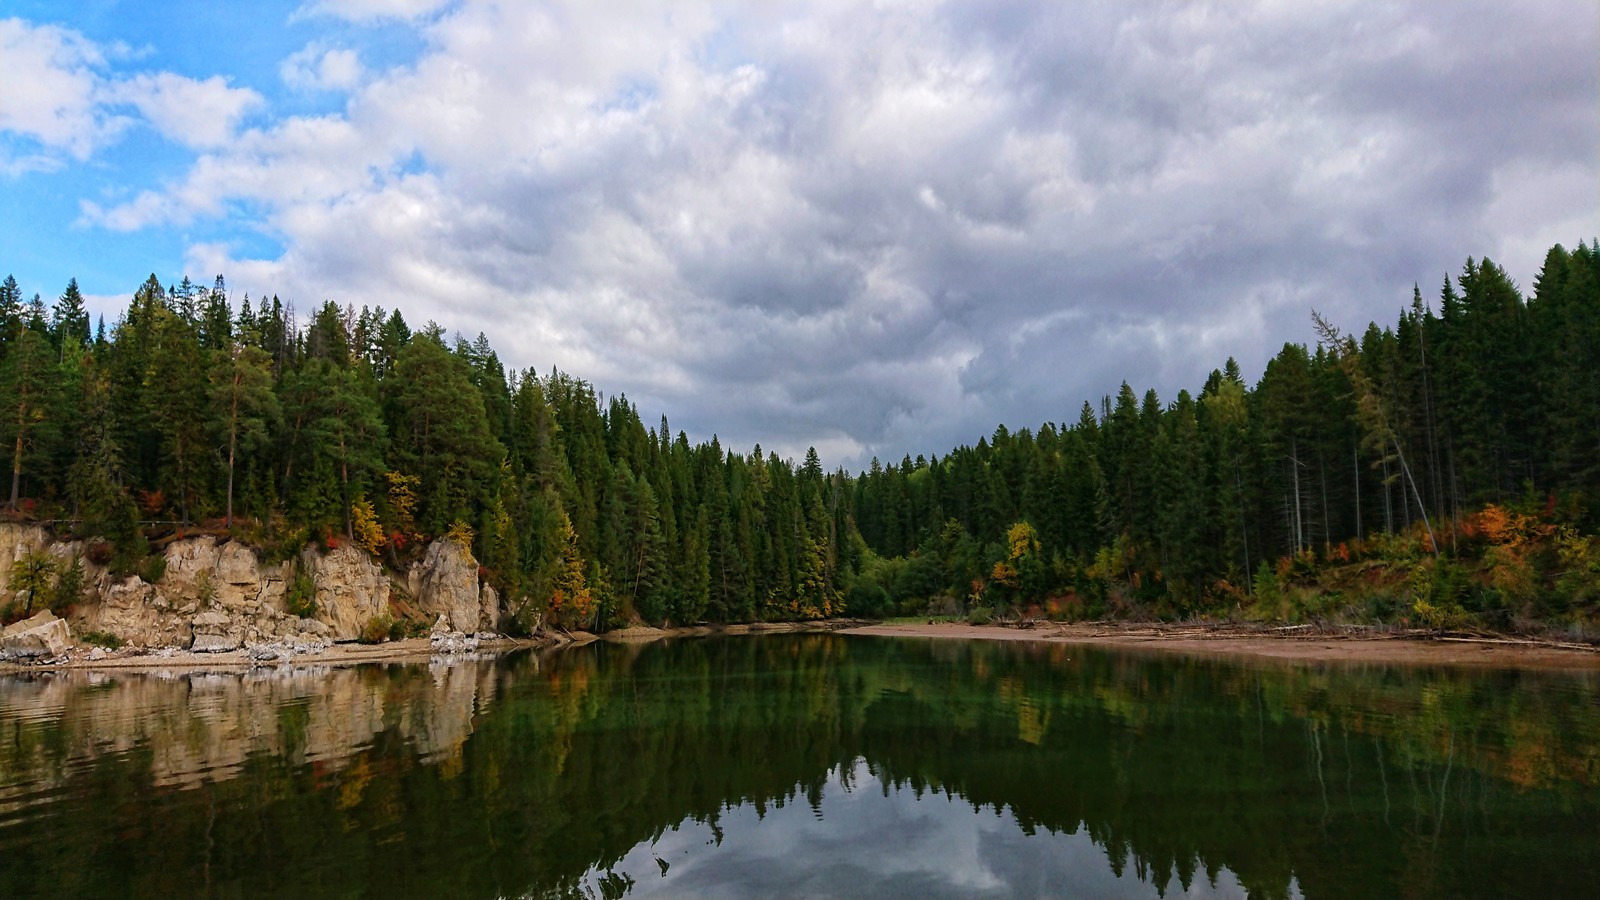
point(1355, 464)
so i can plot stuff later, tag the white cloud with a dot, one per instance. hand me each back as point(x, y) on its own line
point(318, 68)
point(194, 113)
point(888, 227)
point(49, 93)
point(368, 11)
point(69, 103)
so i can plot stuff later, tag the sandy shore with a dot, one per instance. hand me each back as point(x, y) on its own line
point(1290, 645)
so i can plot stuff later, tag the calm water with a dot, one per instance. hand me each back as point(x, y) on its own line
point(803, 765)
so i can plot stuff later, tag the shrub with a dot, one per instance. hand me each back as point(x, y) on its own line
point(205, 589)
point(980, 615)
point(153, 568)
point(364, 522)
point(102, 639)
point(300, 597)
point(381, 628)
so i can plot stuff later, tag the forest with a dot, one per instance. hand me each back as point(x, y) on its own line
point(1442, 471)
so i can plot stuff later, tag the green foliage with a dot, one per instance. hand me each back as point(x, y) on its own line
point(205, 589)
point(152, 568)
point(382, 628)
point(33, 574)
point(69, 585)
point(101, 639)
point(1376, 451)
point(300, 595)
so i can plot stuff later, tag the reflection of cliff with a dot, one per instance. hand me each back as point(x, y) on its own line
point(406, 780)
point(199, 727)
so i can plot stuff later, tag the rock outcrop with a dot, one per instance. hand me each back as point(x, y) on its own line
point(351, 589)
point(217, 595)
point(446, 584)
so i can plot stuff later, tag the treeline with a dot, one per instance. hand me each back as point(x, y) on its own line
point(189, 413)
point(1460, 446)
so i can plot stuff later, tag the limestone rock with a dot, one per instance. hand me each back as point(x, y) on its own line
point(130, 609)
point(453, 642)
point(17, 541)
point(216, 642)
point(489, 609)
point(447, 584)
point(212, 619)
point(237, 565)
point(351, 590)
point(42, 636)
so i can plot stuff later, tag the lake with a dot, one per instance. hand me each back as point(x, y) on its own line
point(803, 765)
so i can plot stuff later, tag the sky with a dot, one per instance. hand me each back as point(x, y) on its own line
point(876, 228)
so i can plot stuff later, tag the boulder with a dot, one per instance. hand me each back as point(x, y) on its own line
point(42, 636)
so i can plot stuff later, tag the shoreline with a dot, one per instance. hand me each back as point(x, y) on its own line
point(1293, 645)
point(334, 655)
point(402, 651)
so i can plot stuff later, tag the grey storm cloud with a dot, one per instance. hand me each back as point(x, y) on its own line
point(885, 229)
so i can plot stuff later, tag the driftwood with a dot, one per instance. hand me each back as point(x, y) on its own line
point(1561, 645)
point(1316, 631)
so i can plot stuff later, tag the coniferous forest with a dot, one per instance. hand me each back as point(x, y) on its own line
point(1441, 471)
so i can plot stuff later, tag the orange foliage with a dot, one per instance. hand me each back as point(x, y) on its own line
point(1504, 528)
point(151, 503)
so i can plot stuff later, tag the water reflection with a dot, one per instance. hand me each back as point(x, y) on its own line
point(801, 764)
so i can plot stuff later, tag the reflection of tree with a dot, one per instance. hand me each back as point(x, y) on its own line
point(402, 780)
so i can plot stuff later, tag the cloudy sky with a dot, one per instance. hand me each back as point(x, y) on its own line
point(873, 227)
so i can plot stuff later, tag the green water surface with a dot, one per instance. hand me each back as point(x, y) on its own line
point(803, 765)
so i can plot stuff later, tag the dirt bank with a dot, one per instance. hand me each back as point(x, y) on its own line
point(1299, 644)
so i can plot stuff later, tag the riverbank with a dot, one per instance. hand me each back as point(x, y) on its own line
point(1296, 644)
point(336, 655)
point(409, 650)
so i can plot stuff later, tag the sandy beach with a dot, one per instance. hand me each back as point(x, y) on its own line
point(1283, 644)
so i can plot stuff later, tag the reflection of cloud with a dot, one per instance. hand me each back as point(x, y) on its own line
point(867, 841)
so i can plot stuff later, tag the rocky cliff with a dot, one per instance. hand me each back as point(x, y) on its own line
point(217, 594)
